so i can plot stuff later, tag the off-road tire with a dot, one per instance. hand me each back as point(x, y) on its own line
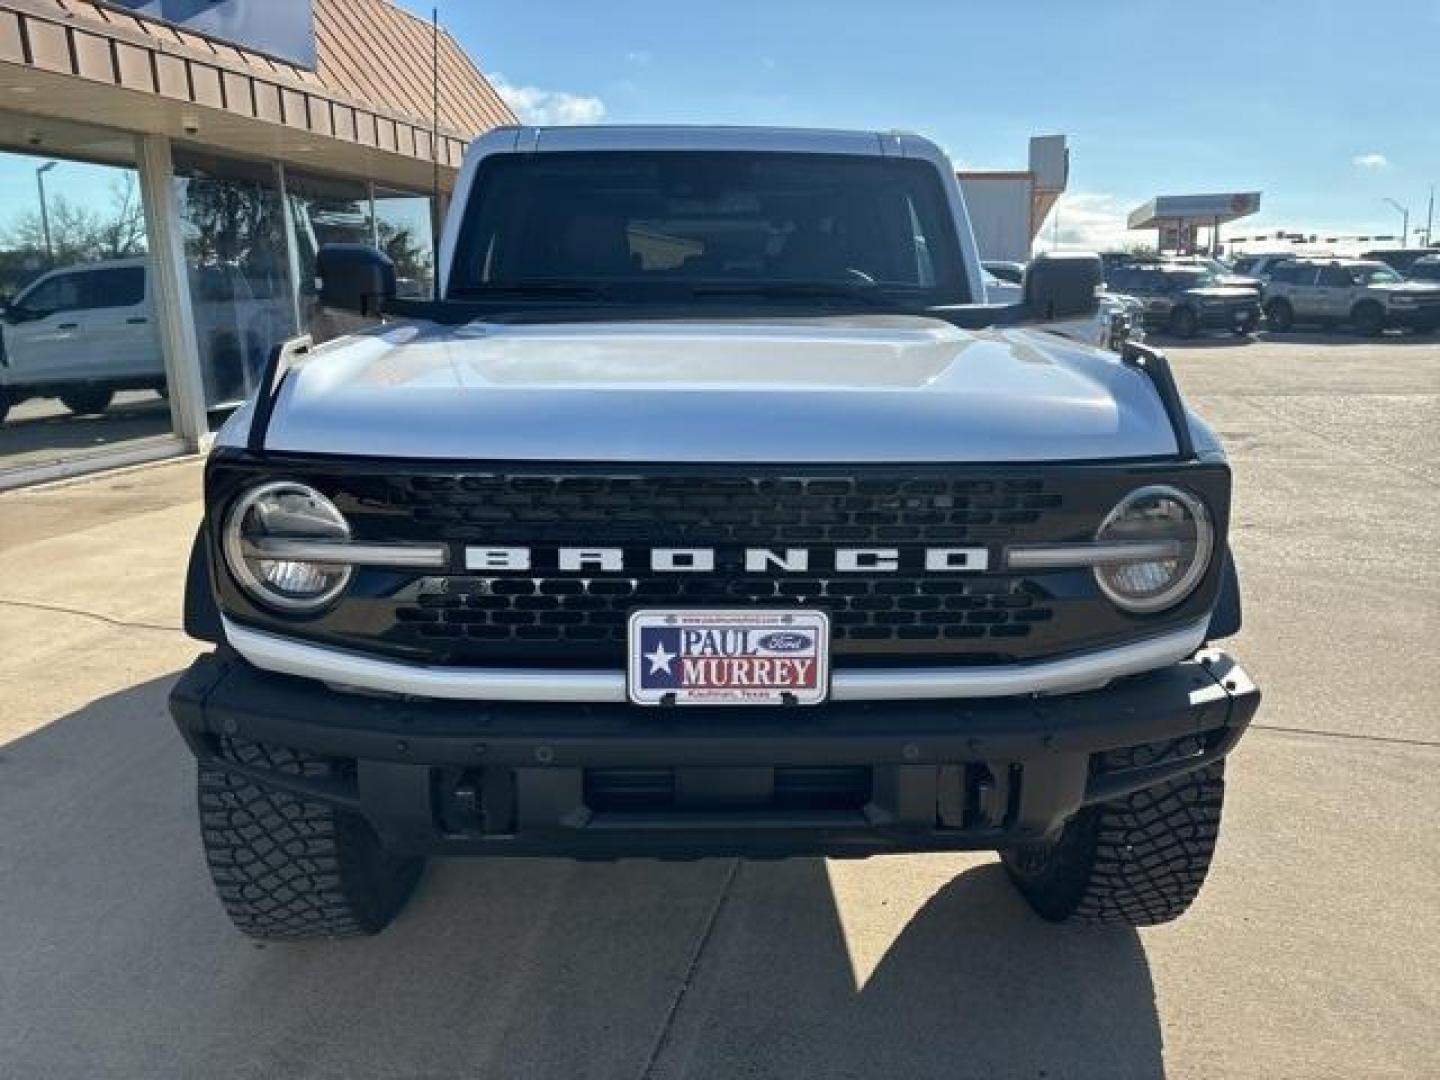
point(1280, 315)
point(87, 402)
point(287, 868)
point(1184, 323)
point(1368, 319)
point(1134, 861)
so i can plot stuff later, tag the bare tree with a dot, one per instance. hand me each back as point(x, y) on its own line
point(82, 234)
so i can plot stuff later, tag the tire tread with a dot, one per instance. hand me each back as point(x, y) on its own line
point(1138, 860)
point(287, 868)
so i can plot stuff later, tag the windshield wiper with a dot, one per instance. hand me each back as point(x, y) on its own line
point(783, 290)
point(540, 288)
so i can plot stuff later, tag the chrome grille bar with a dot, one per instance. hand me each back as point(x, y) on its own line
point(1061, 556)
point(341, 553)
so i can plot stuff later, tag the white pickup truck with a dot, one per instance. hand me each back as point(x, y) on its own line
point(81, 333)
point(710, 510)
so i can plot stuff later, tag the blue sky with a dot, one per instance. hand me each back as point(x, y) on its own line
point(1326, 106)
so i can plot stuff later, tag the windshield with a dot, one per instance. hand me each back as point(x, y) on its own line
point(639, 224)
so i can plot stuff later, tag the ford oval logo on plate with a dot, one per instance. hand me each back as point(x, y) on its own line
point(784, 642)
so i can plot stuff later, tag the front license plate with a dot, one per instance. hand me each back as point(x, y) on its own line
point(742, 657)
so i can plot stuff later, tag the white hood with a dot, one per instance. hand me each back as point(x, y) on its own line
point(879, 388)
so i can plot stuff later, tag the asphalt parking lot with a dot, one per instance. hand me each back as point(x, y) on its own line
point(1313, 951)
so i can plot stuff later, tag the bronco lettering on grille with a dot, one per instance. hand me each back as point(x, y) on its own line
point(706, 560)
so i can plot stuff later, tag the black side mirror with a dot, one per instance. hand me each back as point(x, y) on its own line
point(1063, 285)
point(354, 277)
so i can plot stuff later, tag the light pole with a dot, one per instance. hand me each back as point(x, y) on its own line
point(1405, 220)
point(45, 210)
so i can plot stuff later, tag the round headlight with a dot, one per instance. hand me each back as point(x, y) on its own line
point(284, 511)
point(1158, 516)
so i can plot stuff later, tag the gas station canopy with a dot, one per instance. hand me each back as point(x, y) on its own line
point(1180, 217)
point(1202, 210)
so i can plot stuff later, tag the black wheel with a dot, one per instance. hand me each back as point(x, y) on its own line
point(1368, 319)
point(1280, 315)
point(1183, 322)
point(1135, 861)
point(287, 868)
point(1247, 326)
point(87, 402)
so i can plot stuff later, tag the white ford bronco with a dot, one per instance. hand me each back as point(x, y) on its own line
point(709, 511)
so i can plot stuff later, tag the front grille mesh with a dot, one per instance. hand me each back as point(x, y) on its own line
point(862, 608)
point(717, 510)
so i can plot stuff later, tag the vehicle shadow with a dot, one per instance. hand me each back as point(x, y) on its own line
point(118, 961)
point(1292, 337)
point(62, 430)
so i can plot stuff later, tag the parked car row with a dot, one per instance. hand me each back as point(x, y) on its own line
point(1183, 296)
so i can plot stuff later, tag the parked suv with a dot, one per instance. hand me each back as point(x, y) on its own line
point(1369, 296)
point(710, 510)
point(1186, 299)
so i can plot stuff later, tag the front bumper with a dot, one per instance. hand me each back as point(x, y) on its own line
point(1417, 318)
point(1230, 317)
point(614, 780)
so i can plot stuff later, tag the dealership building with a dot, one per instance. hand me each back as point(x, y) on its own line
point(1009, 207)
point(167, 173)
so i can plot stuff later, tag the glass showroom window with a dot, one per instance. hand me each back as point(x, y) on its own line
point(233, 224)
point(81, 368)
point(404, 231)
point(324, 211)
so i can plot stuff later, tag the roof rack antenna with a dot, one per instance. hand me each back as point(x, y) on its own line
point(435, 140)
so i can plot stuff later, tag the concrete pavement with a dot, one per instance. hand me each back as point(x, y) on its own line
point(1311, 953)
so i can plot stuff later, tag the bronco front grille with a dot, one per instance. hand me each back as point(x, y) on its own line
point(548, 617)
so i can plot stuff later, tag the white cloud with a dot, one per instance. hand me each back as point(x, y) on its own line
point(1371, 161)
point(537, 106)
point(1089, 221)
point(639, 57)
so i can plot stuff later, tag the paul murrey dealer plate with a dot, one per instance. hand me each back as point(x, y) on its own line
point(741, 657)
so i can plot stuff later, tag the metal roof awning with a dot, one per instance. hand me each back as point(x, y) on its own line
point(84, 61)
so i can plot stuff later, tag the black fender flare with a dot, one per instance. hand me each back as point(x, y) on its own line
point(202, 614)
point(1225, 619)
